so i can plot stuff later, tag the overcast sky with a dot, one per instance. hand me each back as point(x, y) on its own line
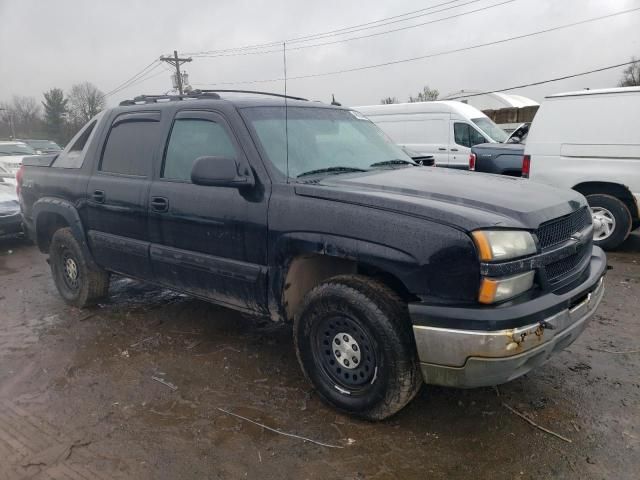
point(56, 43)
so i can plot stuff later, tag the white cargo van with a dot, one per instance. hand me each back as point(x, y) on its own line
point(445, 129)
point(590, 141)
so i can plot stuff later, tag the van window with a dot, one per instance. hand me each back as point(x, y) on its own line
point(130, 146)
point(467, 136)
point(191, 139)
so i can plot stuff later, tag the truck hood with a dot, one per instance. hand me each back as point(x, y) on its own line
point(465, 200)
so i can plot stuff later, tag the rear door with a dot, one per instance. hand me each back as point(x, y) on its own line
point(206, 240)
point(117, 194)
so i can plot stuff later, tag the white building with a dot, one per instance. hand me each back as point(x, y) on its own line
point(491, 101)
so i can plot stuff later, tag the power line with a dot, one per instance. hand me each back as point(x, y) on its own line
point(132, 79)
point(533, 84)
point(342, 31)
point(365, 36)
point(432, 55)
point(141, 80)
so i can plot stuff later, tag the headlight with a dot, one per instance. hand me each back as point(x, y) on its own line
point(494, 290)
point(503, 244)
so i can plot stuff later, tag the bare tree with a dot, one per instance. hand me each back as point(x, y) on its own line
point(388, 100)
point(631, 75)
point(21, 117)
point(85, 102)
point(427, 94)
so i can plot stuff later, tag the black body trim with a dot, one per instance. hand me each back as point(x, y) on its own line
point(513, 314)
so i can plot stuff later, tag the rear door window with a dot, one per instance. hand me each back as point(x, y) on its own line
point(192, 138)
point(131, 145)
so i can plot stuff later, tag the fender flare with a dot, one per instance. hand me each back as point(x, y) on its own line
point(293, 244)
point(67, 211)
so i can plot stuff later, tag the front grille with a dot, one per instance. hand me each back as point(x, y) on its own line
point(556, 271)
point(560, 229)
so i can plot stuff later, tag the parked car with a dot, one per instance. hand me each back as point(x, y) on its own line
point(6, 177)
point(501, 158)
point(589, 141)
point(10, 216)
point(306, 213)
point(445, 130)
point(12, 153)
point(43, 146)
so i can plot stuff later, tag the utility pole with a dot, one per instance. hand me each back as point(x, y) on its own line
point(176, 62)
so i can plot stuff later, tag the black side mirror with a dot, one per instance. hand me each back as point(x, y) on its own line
point(219, 172)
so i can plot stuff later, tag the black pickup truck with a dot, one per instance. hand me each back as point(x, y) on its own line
point(389, 272)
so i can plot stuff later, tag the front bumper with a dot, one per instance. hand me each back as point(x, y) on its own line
point(468, 358)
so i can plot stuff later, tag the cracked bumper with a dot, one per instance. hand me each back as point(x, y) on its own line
point(476, 358)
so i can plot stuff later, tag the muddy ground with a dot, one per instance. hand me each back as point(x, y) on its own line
point(81, 396)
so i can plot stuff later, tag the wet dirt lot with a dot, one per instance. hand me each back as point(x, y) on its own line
point(133, 389)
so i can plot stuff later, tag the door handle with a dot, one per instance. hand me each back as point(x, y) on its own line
point(98, 196)
point(159, 204)
point(442, 149)
point(454, 149)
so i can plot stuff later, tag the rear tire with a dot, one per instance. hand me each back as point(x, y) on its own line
point(611, 220)
point(354, 343)
point(79, 284)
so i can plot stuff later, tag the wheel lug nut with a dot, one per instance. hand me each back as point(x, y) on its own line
point(354, 347)
point(337, 341)
point(355, 360)
point(345, 338)
point(346, 362)
point(338, 353)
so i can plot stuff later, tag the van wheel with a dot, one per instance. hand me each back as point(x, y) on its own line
point(79, 284)
point(611, 220)
point(354, 343)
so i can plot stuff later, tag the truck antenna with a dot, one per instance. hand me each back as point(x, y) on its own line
point(286, 112)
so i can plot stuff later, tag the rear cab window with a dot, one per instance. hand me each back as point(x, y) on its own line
point(73, 155)
point(131, 144)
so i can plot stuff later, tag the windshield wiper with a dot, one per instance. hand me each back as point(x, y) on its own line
point(395, 161)
point(331, 170)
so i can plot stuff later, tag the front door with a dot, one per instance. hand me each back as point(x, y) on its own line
point(464, 137)
point(116, 208)
point(206, 240)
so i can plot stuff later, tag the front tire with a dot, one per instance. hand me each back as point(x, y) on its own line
point(611, 221)
point(354, 343)
point(79, 284)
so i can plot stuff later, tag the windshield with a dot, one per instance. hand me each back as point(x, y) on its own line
point(323, 140)
point(16, 149)
point(491, 129)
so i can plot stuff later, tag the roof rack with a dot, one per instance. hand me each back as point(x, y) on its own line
point(141, 99)
point(198, 95)
point(254, 92)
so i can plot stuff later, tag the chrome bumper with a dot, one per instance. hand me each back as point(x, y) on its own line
point(469, 358)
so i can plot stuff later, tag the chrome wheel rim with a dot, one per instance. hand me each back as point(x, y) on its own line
point(604, 223)
point(70, 270)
